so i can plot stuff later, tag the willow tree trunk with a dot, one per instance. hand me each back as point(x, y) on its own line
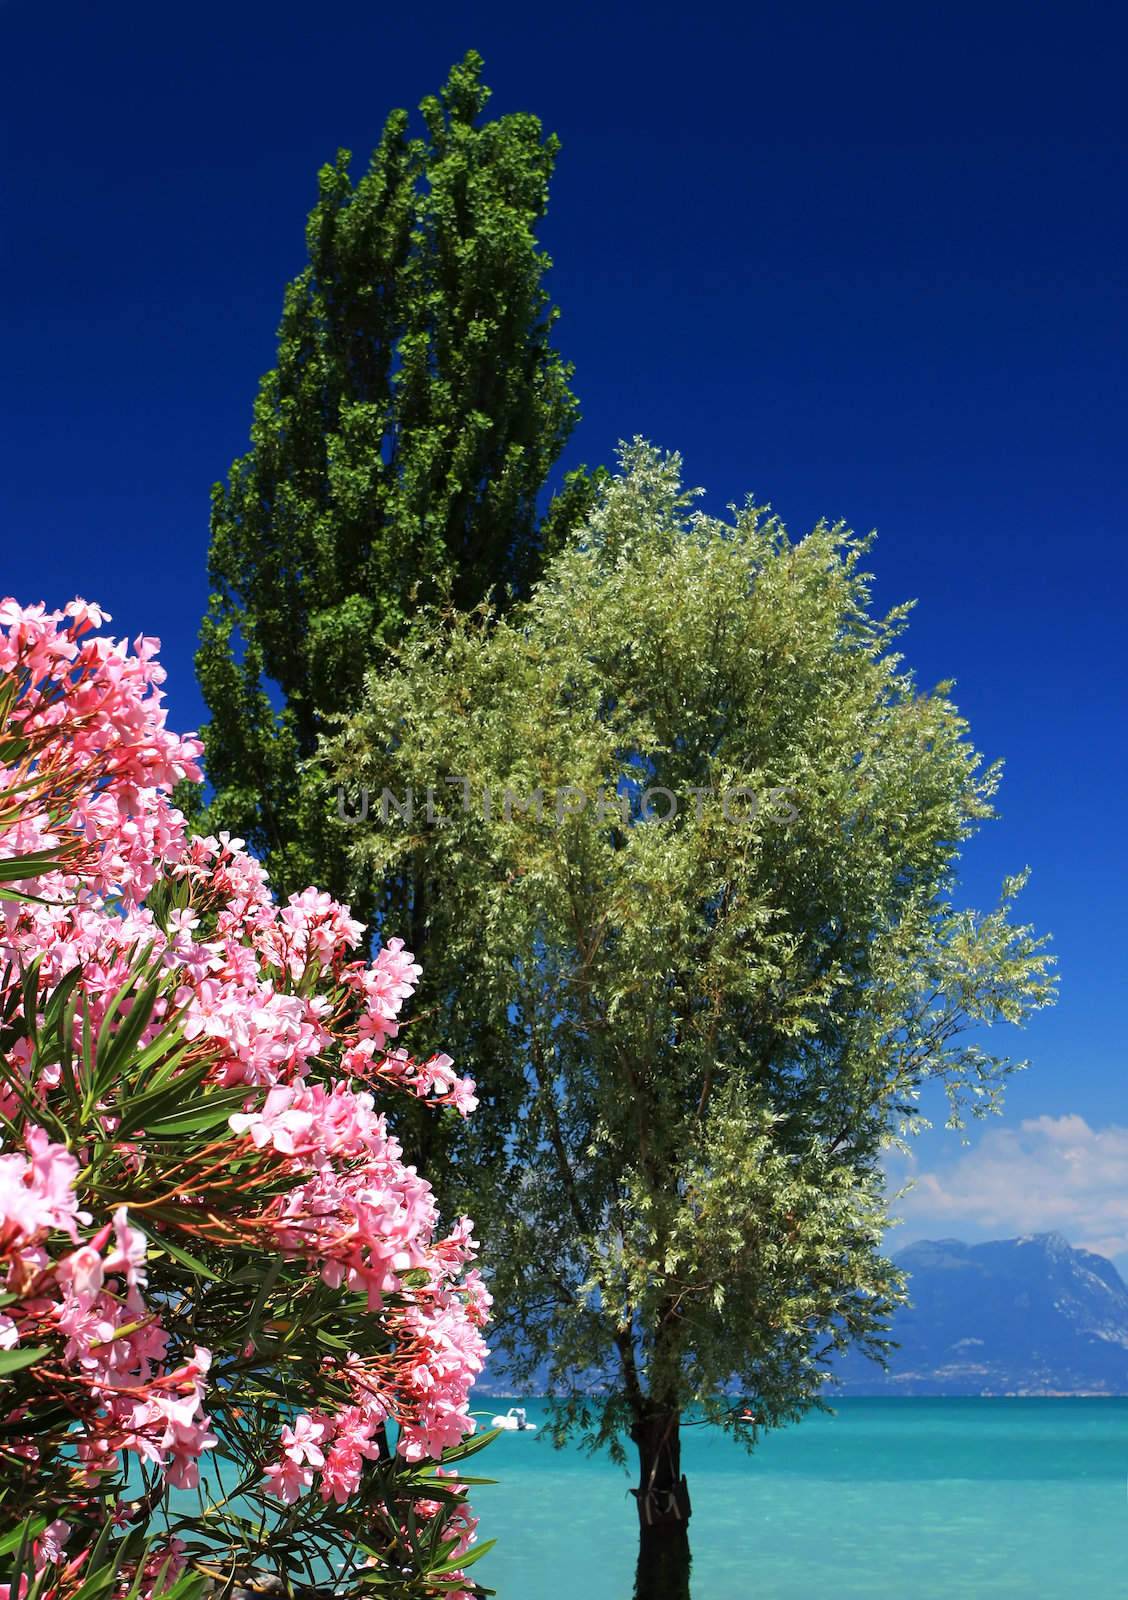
point(663, 1509)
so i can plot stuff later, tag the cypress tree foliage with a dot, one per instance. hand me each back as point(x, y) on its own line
point(399, 449)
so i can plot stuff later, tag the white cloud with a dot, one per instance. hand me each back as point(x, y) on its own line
point(1048, 1175)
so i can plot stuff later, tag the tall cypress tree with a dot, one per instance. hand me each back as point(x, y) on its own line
point(399, 448)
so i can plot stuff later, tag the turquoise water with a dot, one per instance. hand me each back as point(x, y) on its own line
point(888, 1499)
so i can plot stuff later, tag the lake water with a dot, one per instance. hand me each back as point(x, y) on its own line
point(888, 1499)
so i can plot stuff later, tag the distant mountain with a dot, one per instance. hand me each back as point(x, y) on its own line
point(1016, 1316)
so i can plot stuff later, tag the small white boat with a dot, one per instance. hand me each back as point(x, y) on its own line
point(514, 1421)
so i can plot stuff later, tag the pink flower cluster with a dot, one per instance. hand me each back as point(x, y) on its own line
point(367, 1222)
point(92, 713)
point(95, 760)
point(271, 1000)
point(88, 1304)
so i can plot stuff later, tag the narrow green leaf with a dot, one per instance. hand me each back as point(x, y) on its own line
point(14, 1360)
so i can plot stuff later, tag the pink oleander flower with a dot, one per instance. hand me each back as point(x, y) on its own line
point(287, 1480)
point(272, 1006)
point(52, 1540)
point(301, 1443)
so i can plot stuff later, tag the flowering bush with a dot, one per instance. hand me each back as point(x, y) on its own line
point(220, 1277)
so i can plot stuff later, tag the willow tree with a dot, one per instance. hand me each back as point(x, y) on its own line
point(699, 832)
point(401, 444)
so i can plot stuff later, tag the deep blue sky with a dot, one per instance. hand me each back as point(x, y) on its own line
point(865, 261)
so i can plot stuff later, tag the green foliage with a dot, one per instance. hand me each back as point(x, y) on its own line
point(398, 450)
point(129, 1568)
point(694, 1038)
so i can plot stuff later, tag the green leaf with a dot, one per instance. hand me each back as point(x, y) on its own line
point(467, 1559)
point(29, 1529)
point(14, 1360)
point(211, 1112)
point(15, 868)
point(115, 1047)
point(162, 1242)
point(470, 1447)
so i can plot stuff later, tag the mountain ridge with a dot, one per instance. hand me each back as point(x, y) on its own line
point(1033, 1315)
